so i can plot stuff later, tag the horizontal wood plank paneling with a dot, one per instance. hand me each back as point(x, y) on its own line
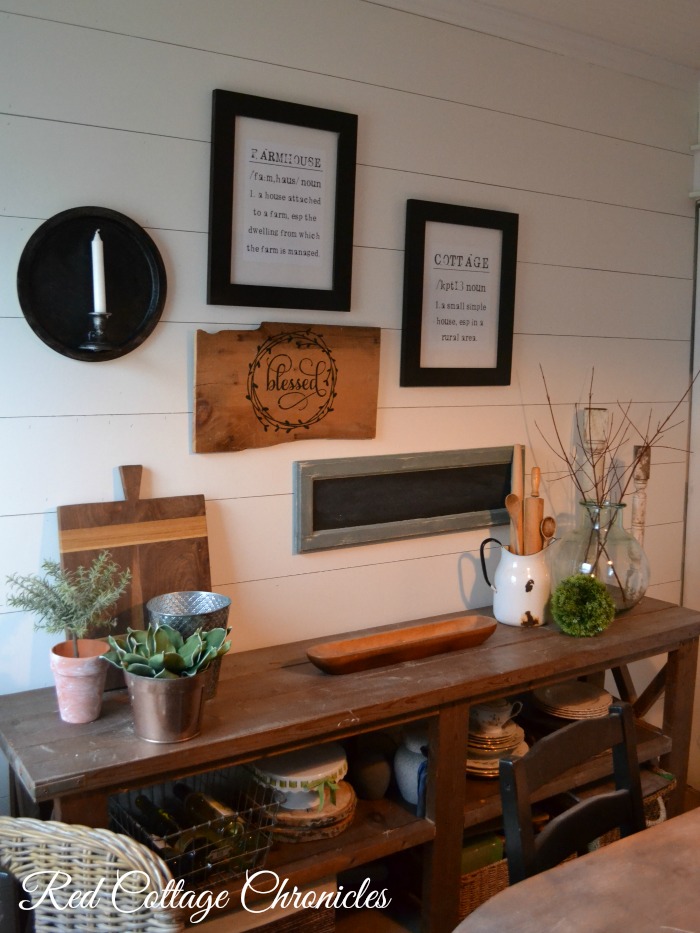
point(109, 104)
point(160, 442)
point(554, 230)
point(426, 58)
point(161, 370)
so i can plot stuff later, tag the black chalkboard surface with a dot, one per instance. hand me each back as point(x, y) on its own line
point(400, 497)
point(364, 499)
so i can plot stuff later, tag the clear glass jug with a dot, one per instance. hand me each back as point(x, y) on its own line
point(600, 546)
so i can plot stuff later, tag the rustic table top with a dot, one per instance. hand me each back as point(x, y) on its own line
point(273, 698)
point(645, 883)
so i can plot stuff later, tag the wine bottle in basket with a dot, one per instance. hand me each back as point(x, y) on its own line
point(188, 849)
point(223, 825)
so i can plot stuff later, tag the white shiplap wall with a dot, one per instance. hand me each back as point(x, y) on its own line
point(109, 104)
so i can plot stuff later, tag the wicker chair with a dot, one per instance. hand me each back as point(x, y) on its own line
point(87, 856)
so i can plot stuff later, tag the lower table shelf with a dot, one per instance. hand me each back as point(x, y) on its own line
point(379, 829)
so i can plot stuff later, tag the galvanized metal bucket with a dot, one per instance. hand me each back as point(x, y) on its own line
point(168, 710)
point(188, 610)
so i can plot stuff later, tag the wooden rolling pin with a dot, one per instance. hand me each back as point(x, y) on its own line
point(533, 513)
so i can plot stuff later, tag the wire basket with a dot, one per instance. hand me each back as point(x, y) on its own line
point(210, 851)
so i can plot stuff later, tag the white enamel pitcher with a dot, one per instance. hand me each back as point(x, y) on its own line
point(521, 586)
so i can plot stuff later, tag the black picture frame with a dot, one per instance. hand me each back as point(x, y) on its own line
point(459, 274)
point(295, 164)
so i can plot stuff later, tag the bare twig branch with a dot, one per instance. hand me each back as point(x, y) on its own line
point(610, 479)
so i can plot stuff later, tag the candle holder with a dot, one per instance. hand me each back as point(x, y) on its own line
point(53, 278)
point(96, 337)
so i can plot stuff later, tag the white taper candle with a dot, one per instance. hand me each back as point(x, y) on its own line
point(98, 275)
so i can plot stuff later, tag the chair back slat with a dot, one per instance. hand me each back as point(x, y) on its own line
point(573, 830)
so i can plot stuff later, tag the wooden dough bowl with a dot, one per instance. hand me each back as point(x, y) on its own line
point(402, 644)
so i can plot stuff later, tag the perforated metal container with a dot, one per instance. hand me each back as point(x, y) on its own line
point(188, 610)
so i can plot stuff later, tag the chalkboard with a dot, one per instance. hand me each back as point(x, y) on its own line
point(348, 501)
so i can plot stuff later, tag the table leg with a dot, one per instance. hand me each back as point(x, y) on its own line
point(446, 796)
point(678, 714)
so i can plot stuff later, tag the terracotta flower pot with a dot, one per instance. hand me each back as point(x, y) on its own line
point(80, 681)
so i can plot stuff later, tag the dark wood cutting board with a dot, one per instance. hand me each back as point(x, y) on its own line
point(163, 541)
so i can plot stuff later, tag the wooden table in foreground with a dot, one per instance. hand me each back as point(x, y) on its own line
point(642, 884)
point(273, 699)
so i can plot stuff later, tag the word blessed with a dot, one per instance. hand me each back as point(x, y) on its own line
point(295, 387)
point(132, 892)
point(291, 381)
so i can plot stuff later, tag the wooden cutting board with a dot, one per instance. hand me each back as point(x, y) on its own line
point(163, 541)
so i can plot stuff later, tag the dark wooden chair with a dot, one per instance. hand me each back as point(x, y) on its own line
point(586, 820)
point(10, 914)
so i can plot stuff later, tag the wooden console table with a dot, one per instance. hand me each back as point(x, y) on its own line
point(273, 699)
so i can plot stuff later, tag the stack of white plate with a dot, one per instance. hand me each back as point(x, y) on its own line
point(485, 749)
point(575, 699)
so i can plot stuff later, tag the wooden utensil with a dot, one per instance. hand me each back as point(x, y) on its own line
point(533, 513)
point(514, 505)
point(548, 529)
point(516, 475)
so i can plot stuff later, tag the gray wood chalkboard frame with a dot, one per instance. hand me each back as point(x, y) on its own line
point(308, 474)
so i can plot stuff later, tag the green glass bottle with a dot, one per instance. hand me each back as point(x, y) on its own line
point(223, 825)
point(186, 850)
point(156, 819)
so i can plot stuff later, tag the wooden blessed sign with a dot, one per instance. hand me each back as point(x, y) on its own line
point(284, 382)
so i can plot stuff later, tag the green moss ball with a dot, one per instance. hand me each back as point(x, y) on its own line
point(581, 606)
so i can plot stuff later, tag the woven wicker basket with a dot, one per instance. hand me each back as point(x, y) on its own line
point(478, 886)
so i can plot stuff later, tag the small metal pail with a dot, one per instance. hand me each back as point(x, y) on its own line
point(166, 710)
point(188, 610)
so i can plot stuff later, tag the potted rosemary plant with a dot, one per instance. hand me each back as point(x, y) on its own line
point(75, 603)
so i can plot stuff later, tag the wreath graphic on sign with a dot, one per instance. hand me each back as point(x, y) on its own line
point(292, 381)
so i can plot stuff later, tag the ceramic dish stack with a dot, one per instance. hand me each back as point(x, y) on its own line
point(315, 803)
point(574, 699)
point(493, 735)
point(484, 752)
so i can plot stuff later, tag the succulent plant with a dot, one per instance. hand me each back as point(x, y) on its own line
point(162, 652)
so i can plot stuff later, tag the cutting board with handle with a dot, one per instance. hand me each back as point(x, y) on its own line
point(163, 541)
